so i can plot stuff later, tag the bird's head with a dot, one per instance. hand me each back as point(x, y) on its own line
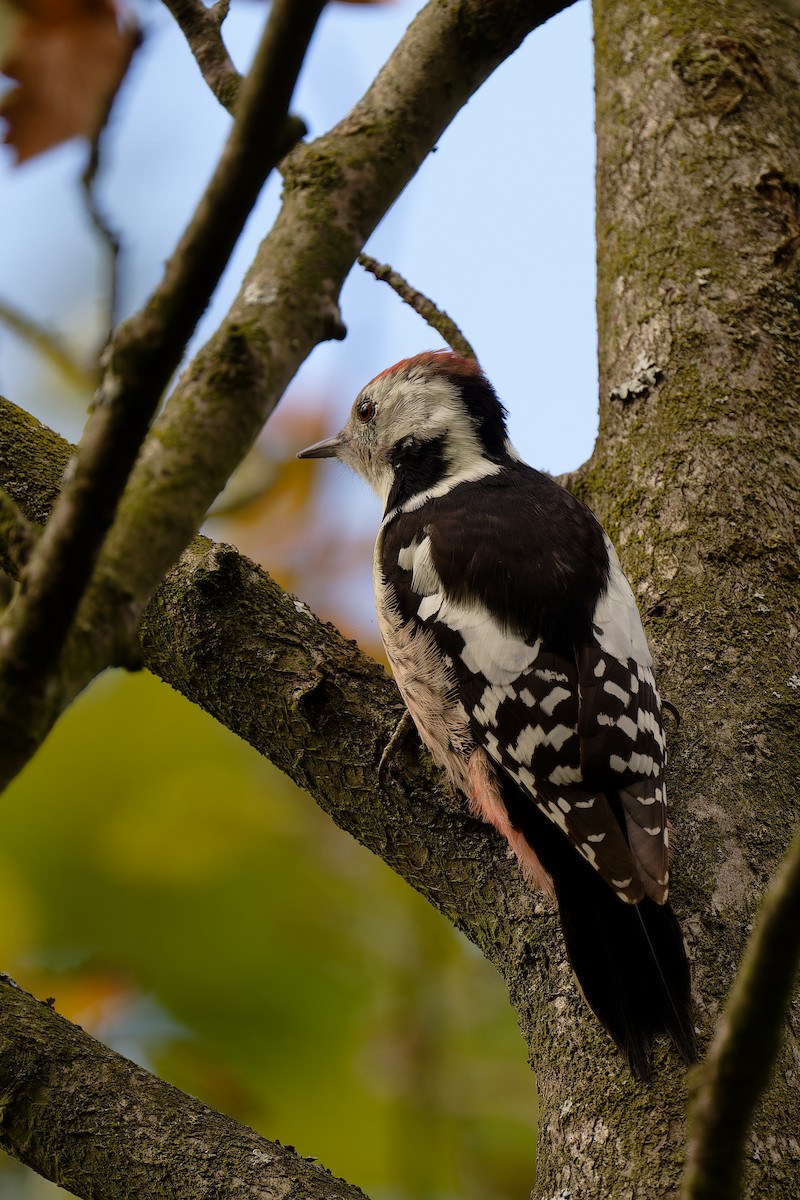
point(429, 421)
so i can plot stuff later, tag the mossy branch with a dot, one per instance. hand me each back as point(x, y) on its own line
point(139, 362)
point(97, 1124)
point(201, 27)
point(17, 536)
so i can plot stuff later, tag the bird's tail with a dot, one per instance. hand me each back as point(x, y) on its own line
point(630, 963)
point(629, 959)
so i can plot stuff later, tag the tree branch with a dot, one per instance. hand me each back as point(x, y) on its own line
point(201, 27)
point(743, 1053)
point(33, 460)
point(140, 361)
point(17, 536)
point(437, 319)
point(336, 192)
point(95, 1123)
point(108, 236)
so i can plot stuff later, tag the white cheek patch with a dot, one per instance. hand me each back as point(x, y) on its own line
point(425, 407)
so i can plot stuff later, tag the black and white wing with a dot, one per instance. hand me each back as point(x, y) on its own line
point(545, 658)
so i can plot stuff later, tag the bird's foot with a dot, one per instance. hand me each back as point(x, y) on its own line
point(401, 730)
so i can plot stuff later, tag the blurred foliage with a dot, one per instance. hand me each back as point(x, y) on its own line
point(184, 902)
point(187, 904)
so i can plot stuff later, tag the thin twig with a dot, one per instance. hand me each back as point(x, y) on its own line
point(50, 346)
point(741, 1058)
point(138, 365)
point(108, 236)
point(201, 28)
point(435, 317)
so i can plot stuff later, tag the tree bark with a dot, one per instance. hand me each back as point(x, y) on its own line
point(98, 1125)
point(696, 476)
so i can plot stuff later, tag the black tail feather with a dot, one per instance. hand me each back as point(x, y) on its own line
point(629, 959)
point(631, 965)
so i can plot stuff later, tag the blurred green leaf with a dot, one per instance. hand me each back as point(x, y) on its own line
point(183, 900)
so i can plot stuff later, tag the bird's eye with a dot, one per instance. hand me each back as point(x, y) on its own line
point(366, 411)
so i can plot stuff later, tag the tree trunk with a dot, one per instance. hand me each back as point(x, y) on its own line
point(696, 477)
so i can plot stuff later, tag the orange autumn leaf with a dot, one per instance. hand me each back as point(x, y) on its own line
point(68, 58)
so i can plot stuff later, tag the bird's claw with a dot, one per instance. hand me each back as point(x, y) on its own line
point(401, 730)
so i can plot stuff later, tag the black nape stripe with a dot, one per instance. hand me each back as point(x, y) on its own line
point(417, 466)
point(488, 414)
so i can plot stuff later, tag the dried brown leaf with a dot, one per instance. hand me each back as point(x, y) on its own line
point(68, 58)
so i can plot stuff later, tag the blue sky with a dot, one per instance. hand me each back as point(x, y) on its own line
point(498, 226)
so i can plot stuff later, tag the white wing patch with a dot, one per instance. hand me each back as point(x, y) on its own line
point(416, 558)
point(616, 619)
point(489, 651)
point(553, 699)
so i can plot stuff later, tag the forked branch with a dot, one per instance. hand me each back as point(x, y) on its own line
point(139, 363)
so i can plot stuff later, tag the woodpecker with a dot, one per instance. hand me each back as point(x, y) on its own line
point(517, 645)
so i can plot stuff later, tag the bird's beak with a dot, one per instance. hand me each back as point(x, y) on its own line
point(327, 449)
